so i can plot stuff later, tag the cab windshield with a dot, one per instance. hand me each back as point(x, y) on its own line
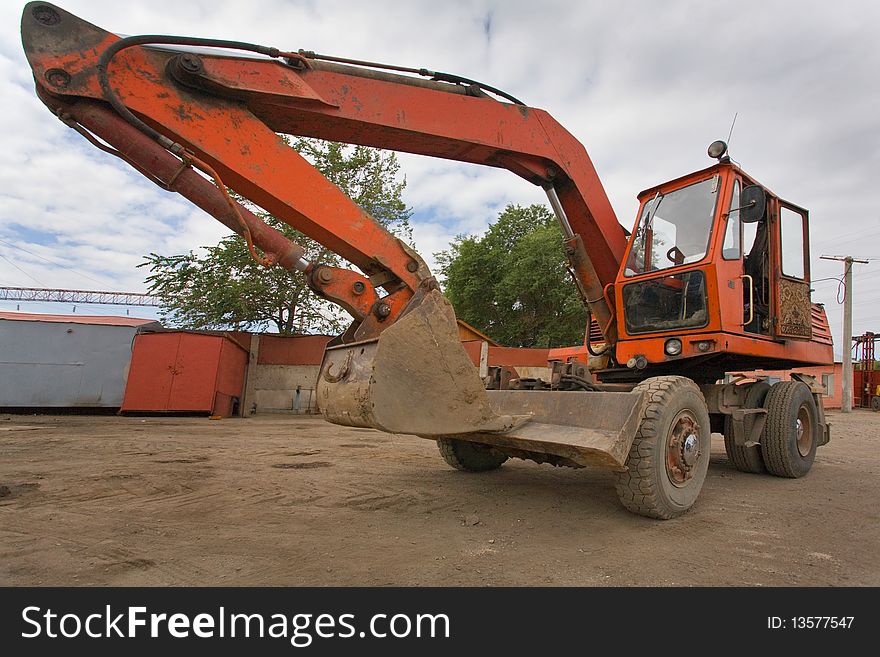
point(674, 228)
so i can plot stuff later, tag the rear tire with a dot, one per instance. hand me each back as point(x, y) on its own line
point(747, 459)
point(468, 456)
point(669, 456)
point(791, 433)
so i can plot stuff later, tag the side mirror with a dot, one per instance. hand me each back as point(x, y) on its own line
point(753, 203)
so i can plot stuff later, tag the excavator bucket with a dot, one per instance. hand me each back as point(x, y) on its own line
point(417, 379)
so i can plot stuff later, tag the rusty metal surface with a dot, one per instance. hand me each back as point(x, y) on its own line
point(416, 378)
point(795, 309)
point(585, 428)
point(680, 460)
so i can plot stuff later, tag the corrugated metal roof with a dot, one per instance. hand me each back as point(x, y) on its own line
point(105, 320)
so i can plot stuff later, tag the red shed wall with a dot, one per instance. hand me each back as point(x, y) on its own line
point(292, 350)
point(184, 372)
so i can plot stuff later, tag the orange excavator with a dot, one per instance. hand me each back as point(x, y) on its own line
point(714, 278)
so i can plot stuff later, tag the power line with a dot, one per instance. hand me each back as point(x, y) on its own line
point(829, 241)
point(33, 278)
point(53, 262)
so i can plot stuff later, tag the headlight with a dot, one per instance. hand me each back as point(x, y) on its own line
point(672, 347)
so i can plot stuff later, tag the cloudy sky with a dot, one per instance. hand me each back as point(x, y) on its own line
point(646, 86)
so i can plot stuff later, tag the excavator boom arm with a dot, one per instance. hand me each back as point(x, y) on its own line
point(225, 111)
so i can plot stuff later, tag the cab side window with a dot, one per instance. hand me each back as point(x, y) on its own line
point(730, 250)
point(791, 226)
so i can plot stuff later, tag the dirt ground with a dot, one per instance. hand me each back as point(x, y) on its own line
point(280, 500)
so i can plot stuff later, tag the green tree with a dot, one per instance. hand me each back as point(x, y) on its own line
point(222, 287)
point(512, 283)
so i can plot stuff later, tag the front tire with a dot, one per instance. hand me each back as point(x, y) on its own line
point(468, 456)
point(791, 433)
point(669, 456)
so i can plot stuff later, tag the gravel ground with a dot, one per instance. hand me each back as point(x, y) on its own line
point(279, 500)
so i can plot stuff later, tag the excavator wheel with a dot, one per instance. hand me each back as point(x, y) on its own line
point(472, 457)
point(791, 433)
point(875, 403)
point(669, 456)
point(746, 459)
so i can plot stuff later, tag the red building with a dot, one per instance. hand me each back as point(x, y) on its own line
point(830, 376)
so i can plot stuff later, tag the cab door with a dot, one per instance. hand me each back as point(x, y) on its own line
point(792, 310)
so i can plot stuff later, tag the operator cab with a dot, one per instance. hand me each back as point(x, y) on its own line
point(673, 230)
point(713, 256)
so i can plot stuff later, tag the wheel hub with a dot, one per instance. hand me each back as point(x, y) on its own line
point(683, 449)
point(690, 450)
point(804, 431)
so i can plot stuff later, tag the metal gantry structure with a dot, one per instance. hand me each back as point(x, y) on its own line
point(78, 296)
point(866, 376)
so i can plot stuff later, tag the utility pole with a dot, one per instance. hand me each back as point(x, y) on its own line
point(846, 384)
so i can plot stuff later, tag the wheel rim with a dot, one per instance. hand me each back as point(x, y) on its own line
point(683, 449)
point(804, 431)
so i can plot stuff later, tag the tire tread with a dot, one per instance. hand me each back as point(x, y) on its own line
point(637, 486)
point(467, 457)
point(774, 440)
